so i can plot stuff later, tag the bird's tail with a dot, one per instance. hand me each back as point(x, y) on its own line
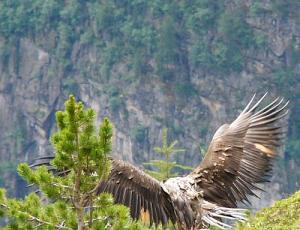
point(216, 216)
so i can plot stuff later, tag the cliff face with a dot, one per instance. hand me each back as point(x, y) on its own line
point(38, 70)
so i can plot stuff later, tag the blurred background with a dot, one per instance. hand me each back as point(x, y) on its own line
point(189, 66)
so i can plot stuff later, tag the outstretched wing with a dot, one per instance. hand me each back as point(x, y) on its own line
point(132, 187)
point(239, 155)
point(140, 192)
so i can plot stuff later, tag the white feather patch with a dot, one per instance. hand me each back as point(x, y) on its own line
point(265, 150)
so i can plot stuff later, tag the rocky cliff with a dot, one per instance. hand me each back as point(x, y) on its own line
point(129, 73)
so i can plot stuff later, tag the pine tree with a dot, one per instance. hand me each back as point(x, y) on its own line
point(165, 168)
point(83, 150)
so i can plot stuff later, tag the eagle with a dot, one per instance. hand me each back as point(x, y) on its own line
point(238, 159)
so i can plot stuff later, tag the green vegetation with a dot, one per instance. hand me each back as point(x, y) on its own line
point(285, 8)
point(83, 149)
point(165, 168)
point(284, 214)
point(130, 31)
point(115, 98)
point(185, 89)
point(120, 31)
point(139, 133)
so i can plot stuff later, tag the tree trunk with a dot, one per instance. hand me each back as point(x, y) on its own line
point(80, 219)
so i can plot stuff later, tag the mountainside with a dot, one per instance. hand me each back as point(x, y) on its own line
point(186, 65)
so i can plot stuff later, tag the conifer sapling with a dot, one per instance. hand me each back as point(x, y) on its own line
point(81, 156)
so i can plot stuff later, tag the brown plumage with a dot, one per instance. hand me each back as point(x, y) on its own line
point(240, 154)
point(238, 158)
point(142, 193)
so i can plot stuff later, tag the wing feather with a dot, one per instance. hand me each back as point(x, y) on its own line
point(132, 187)
point(240, 154)
point(140, 192)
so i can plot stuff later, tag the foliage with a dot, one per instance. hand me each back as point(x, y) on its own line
point(115, 103)
point(185, 89)
point(256, 9)
point(121, 32)
point(284, 214)
point(139, 32)
point(167, 45)
point(82, 149)
point(165, 167)
point(139, 133)
point(285, 8)
point(232, 27)
point(115, 98)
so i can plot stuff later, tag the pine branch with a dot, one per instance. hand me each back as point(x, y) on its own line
point(81, 152)
point(61, 186)
point(97, 219)
point(165, 167)
point(34, 218)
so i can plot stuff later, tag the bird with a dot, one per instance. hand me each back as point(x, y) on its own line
point(238, 159)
